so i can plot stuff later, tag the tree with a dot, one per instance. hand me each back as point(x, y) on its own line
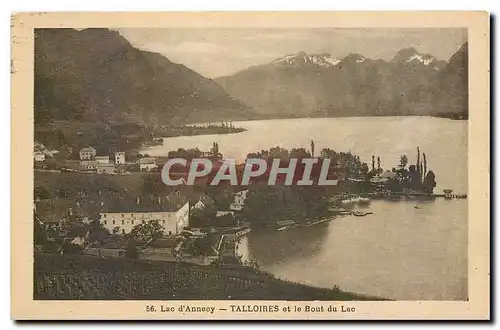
point(328, 153)
point(215, 149)
point(425, 166)
point(278, 152)
point(418, 160)
point(299, 153)
point(364, 169)
point(146, 233)
point(403, 161)
point(429, 182)
point(186, 154)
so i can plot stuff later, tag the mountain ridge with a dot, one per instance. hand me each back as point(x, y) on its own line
point(92, 87)
point(97, 73)
point(411, 83)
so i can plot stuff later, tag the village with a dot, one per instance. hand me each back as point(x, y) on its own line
point(113, 207)
point(90, 162)
point(107, 222)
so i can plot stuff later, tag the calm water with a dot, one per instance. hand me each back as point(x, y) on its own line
point(407, 250)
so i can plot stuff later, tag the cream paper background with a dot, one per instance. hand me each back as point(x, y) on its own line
point(24, 307)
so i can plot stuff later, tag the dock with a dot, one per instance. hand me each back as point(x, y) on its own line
point(414, 194)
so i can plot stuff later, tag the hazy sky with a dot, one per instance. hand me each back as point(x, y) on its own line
point(215, 52)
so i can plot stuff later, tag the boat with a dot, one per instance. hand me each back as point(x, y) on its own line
point(288, 227)
point(361, 214)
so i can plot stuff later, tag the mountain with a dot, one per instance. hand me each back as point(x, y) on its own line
point(96, 75)
point(292, 82)
point(322, 85)
point(411, 58)
point(451, 88)
point(296, 60)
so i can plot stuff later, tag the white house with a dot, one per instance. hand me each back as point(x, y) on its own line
point(173, 221)
point(223, 213)
point(203, 202)
point(38, 156)
point(105, 168)
point(147, 164)
point(88, 165)
point(120, 157)
point(102, 159)
point(239, 200)
point(87, 153)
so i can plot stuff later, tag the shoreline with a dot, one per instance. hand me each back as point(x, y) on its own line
point(330, 117)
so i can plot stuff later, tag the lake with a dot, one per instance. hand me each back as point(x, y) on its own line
point(406, 250)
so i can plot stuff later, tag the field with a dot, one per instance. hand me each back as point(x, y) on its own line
point(77, 277)
point(74, 183)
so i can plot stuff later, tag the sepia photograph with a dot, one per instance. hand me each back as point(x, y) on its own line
point(251, 164)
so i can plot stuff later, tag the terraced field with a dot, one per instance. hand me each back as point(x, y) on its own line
point(88, 278)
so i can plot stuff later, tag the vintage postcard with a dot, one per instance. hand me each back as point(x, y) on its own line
point(250, 165)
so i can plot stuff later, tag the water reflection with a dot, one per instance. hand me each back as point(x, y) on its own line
point(271, 248)
point(409, 249)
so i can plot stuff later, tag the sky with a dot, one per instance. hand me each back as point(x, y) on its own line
point(215, 52)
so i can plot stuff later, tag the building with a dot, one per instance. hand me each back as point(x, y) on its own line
point(224, 213)
point(448, 193)
point(105, 168)
point(206, 154)
point(172, 219)
point(88, 165)
point(38, 156)
point(384, 178)
point(102, 159)
point(119, 157)
point(147, 164)
point(203, 202)
point(111, 248)
point(87, 153)
point(239, 200)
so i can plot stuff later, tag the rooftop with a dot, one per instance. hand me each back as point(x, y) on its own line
point(106, 165)
point(88, 149)
point(156, 204)
point(53, 210)
point(84, 162)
